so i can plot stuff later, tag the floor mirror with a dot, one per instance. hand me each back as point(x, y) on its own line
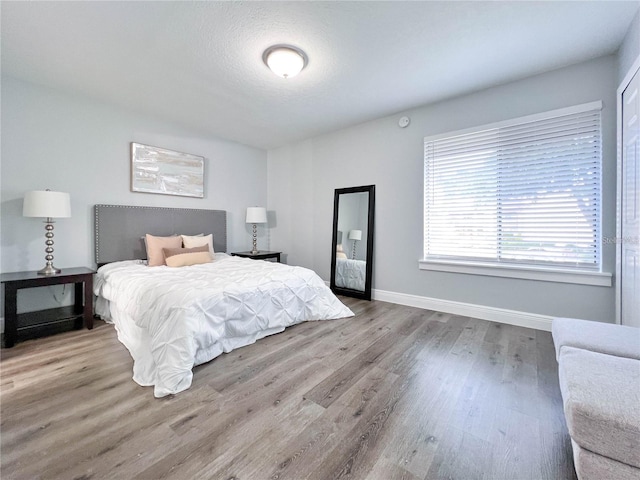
point(352, 245)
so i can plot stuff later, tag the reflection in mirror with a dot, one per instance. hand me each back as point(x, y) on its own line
point(352, 248)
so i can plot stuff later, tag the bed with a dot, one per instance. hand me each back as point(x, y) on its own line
point(350, 273)
point(172, 319)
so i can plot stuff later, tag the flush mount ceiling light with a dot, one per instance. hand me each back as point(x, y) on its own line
point(285, 61)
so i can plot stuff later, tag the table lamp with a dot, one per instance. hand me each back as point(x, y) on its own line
point(256, 215)
point(49, 205)
point(354, 235)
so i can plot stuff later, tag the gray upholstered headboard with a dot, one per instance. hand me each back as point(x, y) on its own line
point(120, 229)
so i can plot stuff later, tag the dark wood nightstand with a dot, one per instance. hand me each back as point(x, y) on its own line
point(42, 322)
point(261, 255)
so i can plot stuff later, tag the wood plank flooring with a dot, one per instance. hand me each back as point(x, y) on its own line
point(394, 393)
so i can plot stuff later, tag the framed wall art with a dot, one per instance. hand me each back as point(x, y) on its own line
point(158, 170)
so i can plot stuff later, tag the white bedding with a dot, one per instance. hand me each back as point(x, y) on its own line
point(350, 273)
point(172, 319)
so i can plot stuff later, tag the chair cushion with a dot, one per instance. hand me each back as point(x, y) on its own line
point(601, 395)
point(599, 337)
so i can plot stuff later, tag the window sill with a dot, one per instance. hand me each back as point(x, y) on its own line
point(581, 277)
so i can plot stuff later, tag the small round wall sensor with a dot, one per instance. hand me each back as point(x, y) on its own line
point(404, 122)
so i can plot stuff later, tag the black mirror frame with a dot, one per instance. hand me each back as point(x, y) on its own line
point(366, 294)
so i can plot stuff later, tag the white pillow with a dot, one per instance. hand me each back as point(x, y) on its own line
point(192, 241)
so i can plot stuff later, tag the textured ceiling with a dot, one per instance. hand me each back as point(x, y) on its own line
point(199, 63)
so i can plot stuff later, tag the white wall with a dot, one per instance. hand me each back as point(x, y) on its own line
point(630, 48)
point(59, 141)
point(291, 214)
point(380, 153)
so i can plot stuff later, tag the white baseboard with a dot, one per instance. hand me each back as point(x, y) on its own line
point(500, 315)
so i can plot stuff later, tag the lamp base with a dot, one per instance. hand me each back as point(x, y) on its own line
point(49, 270)
point(254, 249)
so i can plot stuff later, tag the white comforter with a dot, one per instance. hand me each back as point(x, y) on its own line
point(350, 273)
point(172, 319)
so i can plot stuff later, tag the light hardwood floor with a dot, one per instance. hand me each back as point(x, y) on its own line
point(394, 393)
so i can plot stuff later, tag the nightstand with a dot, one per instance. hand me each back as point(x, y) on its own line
point(261, 255)
point(43, 322)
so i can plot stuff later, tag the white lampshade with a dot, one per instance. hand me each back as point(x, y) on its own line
point(355, 234)
point(256, 215)
point(46, 204)
point(284, 60)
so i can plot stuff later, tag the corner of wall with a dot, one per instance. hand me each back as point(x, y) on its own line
point(629, 50)
point(290, 198)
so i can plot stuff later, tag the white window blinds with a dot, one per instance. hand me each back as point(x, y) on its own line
point(525, 191)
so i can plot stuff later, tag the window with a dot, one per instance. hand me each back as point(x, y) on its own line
point(524, 192)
